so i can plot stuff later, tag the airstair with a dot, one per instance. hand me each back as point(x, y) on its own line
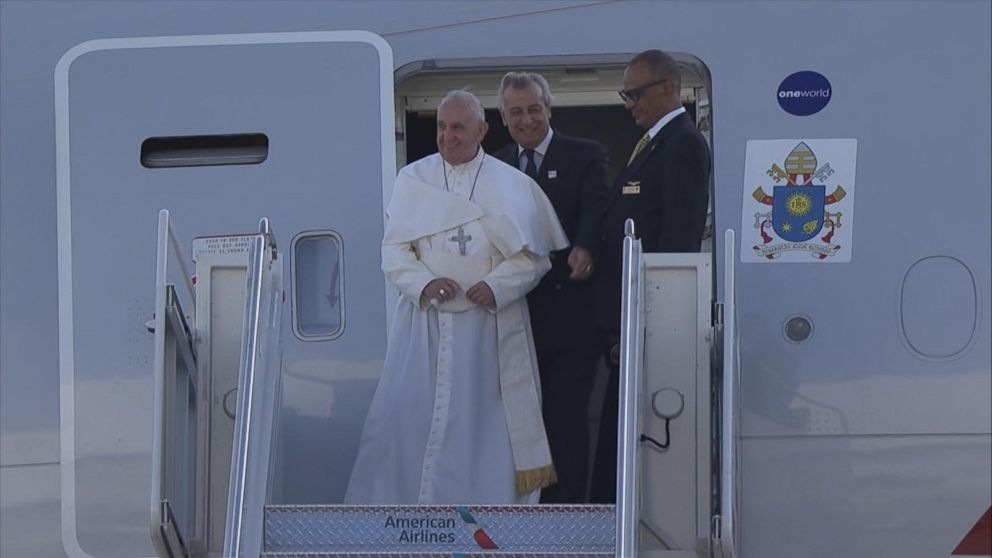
point(218, 392)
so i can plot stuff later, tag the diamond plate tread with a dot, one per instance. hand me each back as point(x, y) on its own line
point(486, 554)
point(543, 530)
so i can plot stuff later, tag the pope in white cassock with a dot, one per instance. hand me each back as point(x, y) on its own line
point(456, 417)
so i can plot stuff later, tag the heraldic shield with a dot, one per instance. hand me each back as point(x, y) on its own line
point(797, 211)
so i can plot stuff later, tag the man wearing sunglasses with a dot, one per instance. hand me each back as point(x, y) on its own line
point(665, 190)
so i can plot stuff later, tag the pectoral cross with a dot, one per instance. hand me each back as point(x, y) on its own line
point(461, 239)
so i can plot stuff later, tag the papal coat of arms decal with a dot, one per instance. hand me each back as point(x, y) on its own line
point(798, 201)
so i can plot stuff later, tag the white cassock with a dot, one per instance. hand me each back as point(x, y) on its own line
point(456, 418)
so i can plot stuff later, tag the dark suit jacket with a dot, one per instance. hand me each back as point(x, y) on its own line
point(669, 212)
point(573, 176)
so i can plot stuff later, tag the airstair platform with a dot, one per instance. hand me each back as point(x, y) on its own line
point(337, 530)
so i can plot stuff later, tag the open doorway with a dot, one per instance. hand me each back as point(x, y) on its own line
point(585, 104)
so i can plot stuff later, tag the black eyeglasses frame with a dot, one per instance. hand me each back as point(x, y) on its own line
point(634, 95)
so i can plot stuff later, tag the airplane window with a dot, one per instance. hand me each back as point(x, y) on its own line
point(202, 151)
point(318, 286)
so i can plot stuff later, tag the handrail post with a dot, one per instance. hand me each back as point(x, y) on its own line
point(630, 321)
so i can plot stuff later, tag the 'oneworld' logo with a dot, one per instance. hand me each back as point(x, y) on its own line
point(804, 93)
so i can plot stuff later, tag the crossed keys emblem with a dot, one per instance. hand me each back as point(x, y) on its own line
point(777, 174)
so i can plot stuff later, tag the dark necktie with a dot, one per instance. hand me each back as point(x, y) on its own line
point(531, 168)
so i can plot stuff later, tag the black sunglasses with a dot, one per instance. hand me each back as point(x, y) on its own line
point(634, 94)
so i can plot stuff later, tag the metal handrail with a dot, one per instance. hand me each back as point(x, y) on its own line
point(158, 405)
point(630, 344)
point(728, 429)
point(246, 392)
point(166, 530)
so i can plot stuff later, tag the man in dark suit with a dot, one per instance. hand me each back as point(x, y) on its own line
point(572, 173)
point(665, 190)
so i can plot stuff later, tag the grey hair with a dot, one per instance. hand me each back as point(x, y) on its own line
point(521, 80)
point(473, 102)
point(661, 65)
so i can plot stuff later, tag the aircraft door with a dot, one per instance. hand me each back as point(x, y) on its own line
point(222, 130)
